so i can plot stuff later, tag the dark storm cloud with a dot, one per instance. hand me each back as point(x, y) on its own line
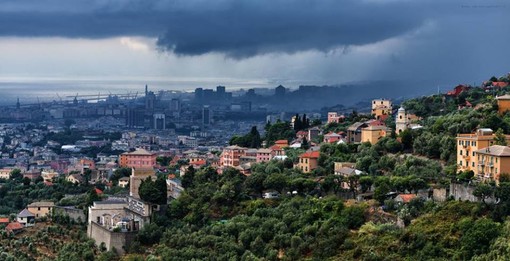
point(238, 28)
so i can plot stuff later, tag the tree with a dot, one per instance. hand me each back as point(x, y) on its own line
point(483, 191)
point(153, 191)
point(92, 196)
point(304, 144)
point(16, 174)
point(365, 183)
point(188, 178)
point(276, 181)
point(499, 138)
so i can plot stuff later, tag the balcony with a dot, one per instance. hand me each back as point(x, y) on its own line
point(491, 164)
point(481, 163)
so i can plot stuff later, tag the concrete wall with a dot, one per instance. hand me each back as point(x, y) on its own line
point(117, 240)
point(462, 192)
point(440, 194)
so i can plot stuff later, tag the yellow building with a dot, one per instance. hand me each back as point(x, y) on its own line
point(468, 144)
point(308, 161)
point(381, 107)
point(41, 209)
point(503, 103)
point(373, 134)
point(492, 161)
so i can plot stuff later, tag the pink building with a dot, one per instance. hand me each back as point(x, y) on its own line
point(332, 137)
point(264, 155)
point(230, 157)
point(139, 158)
point(333, 117)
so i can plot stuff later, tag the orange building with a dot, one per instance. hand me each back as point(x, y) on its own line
point(231, 155)
point(381, 107)
point(492, 161)
point(503, 103)
point(139, 158)
point(308, 161)
point(373, 134)
point(468, 144)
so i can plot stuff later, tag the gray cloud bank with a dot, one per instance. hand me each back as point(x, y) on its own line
point(239, 28)
point(443, 40)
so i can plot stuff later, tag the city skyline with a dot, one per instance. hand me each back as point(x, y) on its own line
point(258, 43)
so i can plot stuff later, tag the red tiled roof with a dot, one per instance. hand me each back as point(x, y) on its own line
point(98, 191)
point(198, 162)
point(285, 142)
point(311, 154)
point(275, 147)
point(406, 198)
point(4, 220)
point(499, 84)
point(14, 226)
point(302, 133)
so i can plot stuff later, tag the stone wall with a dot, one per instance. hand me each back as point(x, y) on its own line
point(75, 214)
point(117, 240)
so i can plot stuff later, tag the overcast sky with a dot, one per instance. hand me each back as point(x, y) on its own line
point(264, 42)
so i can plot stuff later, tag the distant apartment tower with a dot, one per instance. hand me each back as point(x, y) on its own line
point(206, 116)
point(135, 117)
point(468, 144)
point(159, 121)
point(279, 92)
point(381, 107)
point(220, 92)
point(175, 105)
point(199, 94)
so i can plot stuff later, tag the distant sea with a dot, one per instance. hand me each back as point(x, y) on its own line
point(50, 89)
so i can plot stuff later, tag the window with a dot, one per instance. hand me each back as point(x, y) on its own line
point(473, 153)
point(460, 152)
point(39, 208)
point(472, 164)
point(460, 163)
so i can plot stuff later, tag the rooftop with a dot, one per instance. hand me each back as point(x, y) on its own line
point(495, 150)
point(42, 204)
point(26, 213)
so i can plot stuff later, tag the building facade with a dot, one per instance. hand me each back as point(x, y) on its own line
point(492, 161)
point(139, 158)
point(468, 144)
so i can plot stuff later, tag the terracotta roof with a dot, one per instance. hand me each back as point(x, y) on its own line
point(500, 84)
point(495, 150)
point(198, 162)
point(26, 213)
point(285, 142)
point(4, 220)
point(98, 191)
point(311, 154)
point(14, 226)
point(406, 198)
point(275, 147)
